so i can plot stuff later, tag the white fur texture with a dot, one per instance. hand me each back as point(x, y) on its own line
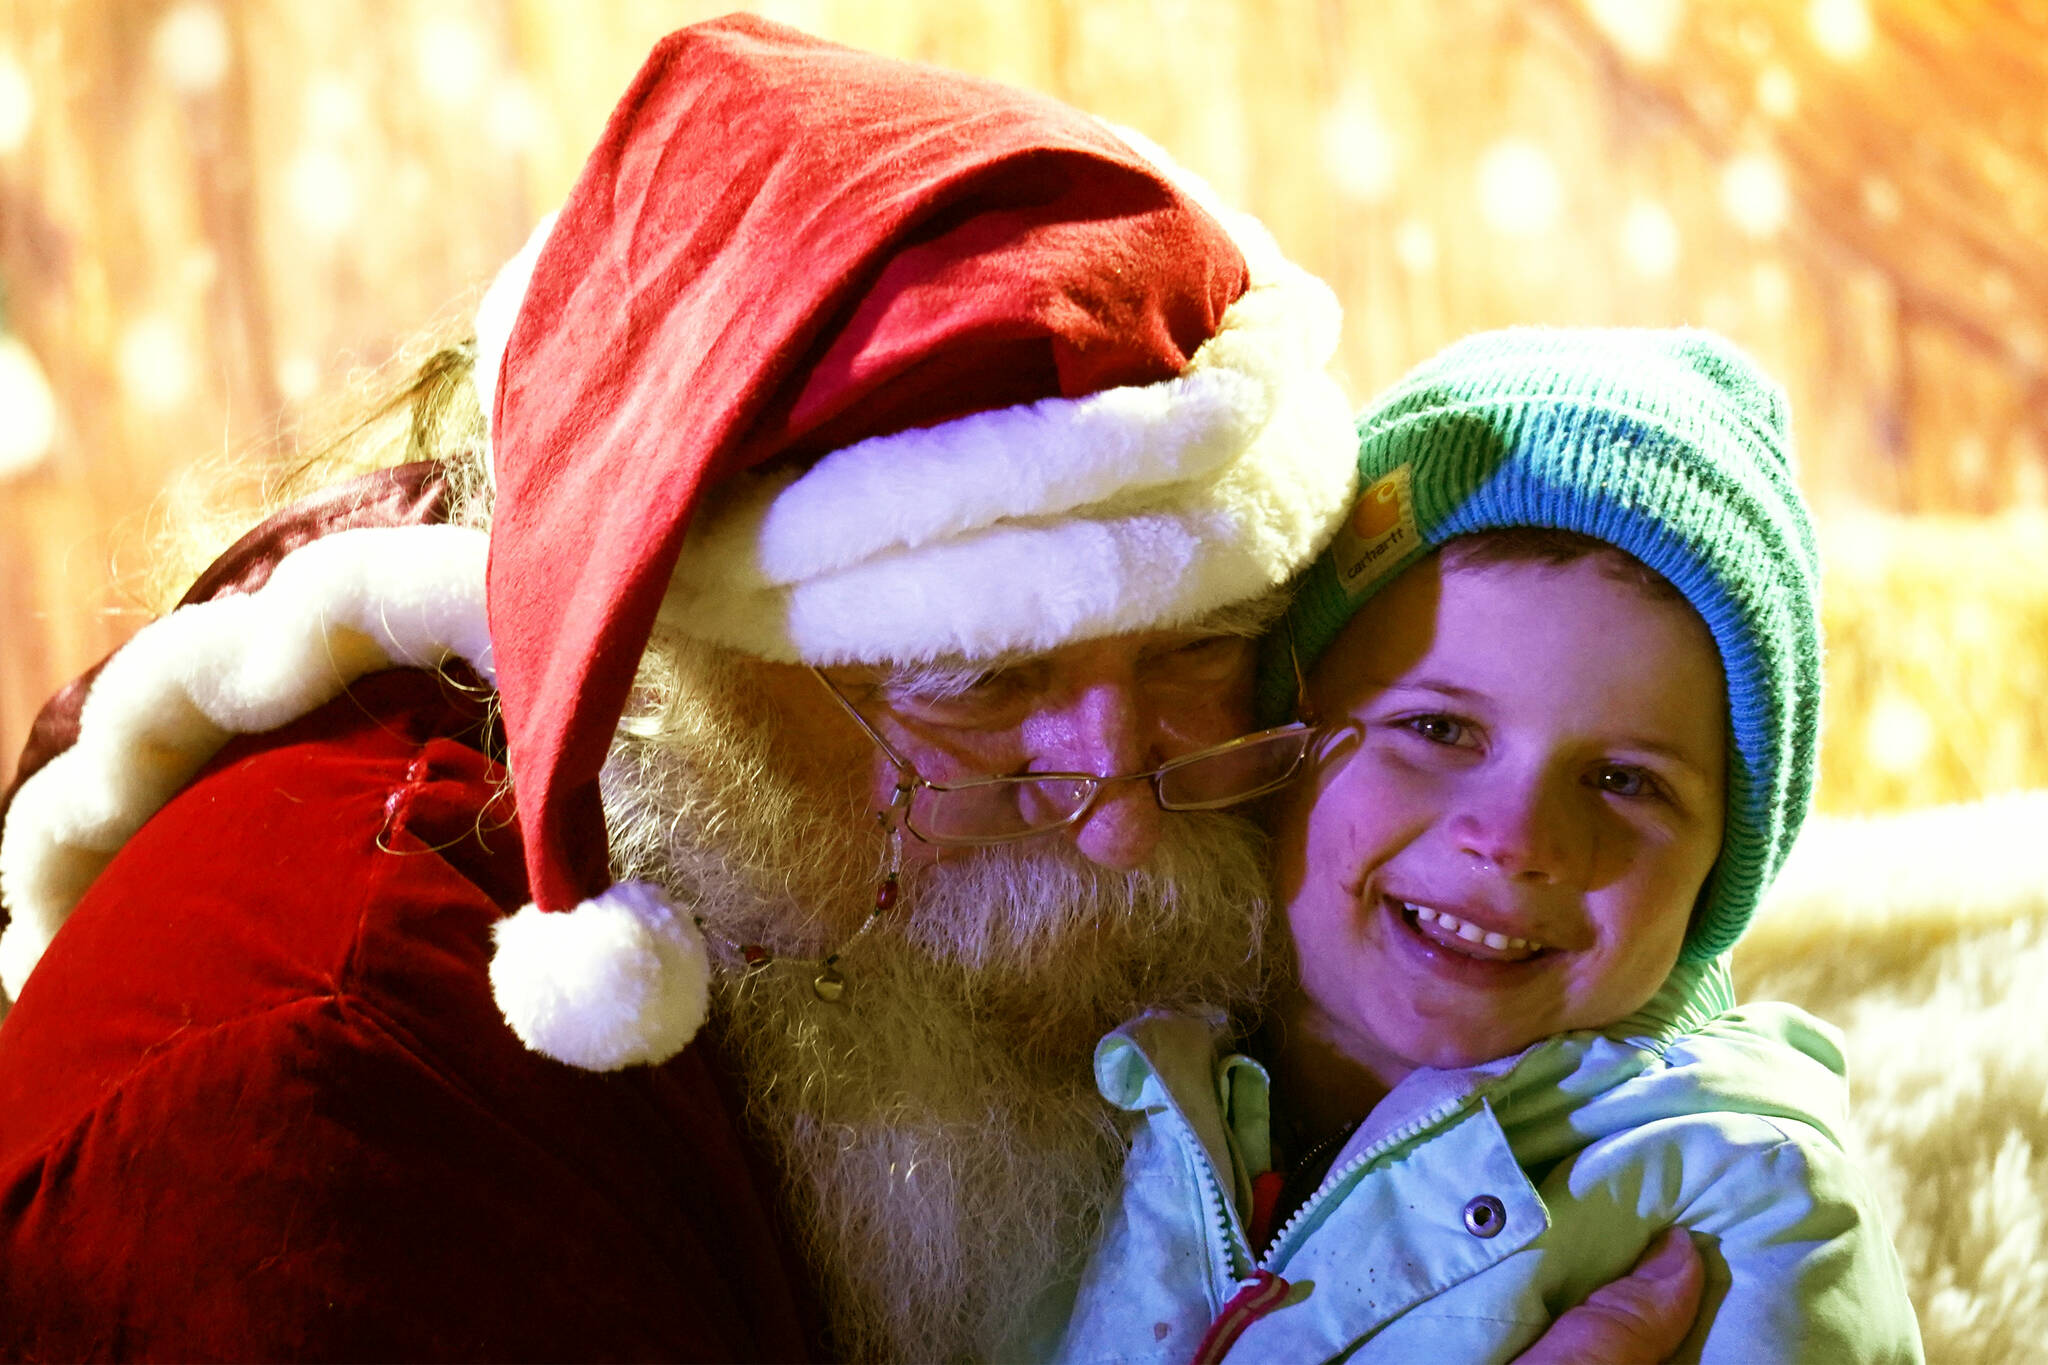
point(1974, 863)
point(621, 980)
point(338, 608)
point(1924, 936)
point(1027, 528)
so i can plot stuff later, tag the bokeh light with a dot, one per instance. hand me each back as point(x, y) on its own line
point(1754, 195)
point(1770, 288)
point(334, 108)
point(1649, 239)
point(1415, 246)
point(30, 428)
point(513, 118)
point(1520, 194)
point(1358, 148)
point(298, 377)
point(321, 188)
point(17, 104)
point(1897, 734)
point(155, 362)
point(191, 47)
point(1841, 28)
point(452, 61)
point(1644, 29)
point(1777, 93)
point(2029, 484)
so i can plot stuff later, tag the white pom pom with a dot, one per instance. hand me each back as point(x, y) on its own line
point(621, 980)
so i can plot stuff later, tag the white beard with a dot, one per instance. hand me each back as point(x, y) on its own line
point(946, 1154)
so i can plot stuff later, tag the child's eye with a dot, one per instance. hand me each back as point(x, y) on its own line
point(1620, 780)
point(1437, 729)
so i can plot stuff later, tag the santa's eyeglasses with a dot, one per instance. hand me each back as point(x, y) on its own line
point(994, 810)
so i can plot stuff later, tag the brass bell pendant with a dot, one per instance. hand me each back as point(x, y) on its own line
point(829, 985)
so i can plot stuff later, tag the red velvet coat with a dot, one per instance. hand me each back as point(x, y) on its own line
point(256, 1101)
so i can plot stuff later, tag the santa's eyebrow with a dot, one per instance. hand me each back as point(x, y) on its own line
point(941, 678)
point(953, 675)
point(1248, 616)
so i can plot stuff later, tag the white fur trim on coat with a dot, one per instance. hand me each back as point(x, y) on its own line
point(621, 980)
point(340, 607)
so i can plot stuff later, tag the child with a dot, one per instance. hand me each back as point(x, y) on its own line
point(1567, 660)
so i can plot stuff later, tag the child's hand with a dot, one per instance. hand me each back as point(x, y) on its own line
point(1638, 1319)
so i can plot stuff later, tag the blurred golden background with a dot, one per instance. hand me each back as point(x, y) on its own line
point(214, 212)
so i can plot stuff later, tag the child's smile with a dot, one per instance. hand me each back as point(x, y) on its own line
point(1463, 937)
point(1506, 831)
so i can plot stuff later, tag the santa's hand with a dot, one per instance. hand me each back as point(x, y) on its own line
point(1639, 1318)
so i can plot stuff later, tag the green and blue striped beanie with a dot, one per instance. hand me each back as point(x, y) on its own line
point(1669, 445)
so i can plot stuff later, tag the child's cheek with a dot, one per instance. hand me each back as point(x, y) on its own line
point(1288, 823)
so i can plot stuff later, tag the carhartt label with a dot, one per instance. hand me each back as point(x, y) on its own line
point(1379, 533)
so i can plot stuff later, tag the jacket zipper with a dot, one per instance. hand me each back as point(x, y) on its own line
point(1224, 1241)
point(1386, 1143)
point(1258, 1288)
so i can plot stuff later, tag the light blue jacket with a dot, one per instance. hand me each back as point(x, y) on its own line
point(1691, 1112)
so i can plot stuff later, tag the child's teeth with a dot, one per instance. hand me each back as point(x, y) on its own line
point(1471, 933)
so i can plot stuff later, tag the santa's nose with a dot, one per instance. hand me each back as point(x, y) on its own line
point(1106, 730)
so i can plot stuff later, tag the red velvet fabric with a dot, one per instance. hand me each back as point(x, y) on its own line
point(404, 495)
point(779, 247)
point(256, 1102)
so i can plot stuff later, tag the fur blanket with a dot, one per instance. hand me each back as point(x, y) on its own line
point(1924, 937)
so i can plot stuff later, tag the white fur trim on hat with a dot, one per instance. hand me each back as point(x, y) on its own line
point(340, 607)
point(621, 980)
point(1027, 528)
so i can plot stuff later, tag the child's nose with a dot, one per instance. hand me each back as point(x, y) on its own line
point(1522, 827)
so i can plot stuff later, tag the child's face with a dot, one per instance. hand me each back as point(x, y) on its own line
point(1527, 753)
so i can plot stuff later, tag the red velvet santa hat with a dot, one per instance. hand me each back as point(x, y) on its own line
point(830, 358)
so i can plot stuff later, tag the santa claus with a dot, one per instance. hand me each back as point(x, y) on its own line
point(832, 613)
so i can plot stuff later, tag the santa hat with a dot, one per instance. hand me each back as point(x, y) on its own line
point(830, 358)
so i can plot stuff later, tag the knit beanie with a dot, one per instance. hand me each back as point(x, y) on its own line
point(1669, 445)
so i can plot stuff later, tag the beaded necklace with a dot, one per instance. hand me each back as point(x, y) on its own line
point(829, 984)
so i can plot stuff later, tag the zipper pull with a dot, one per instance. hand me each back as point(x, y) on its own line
point(1260, 1296)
